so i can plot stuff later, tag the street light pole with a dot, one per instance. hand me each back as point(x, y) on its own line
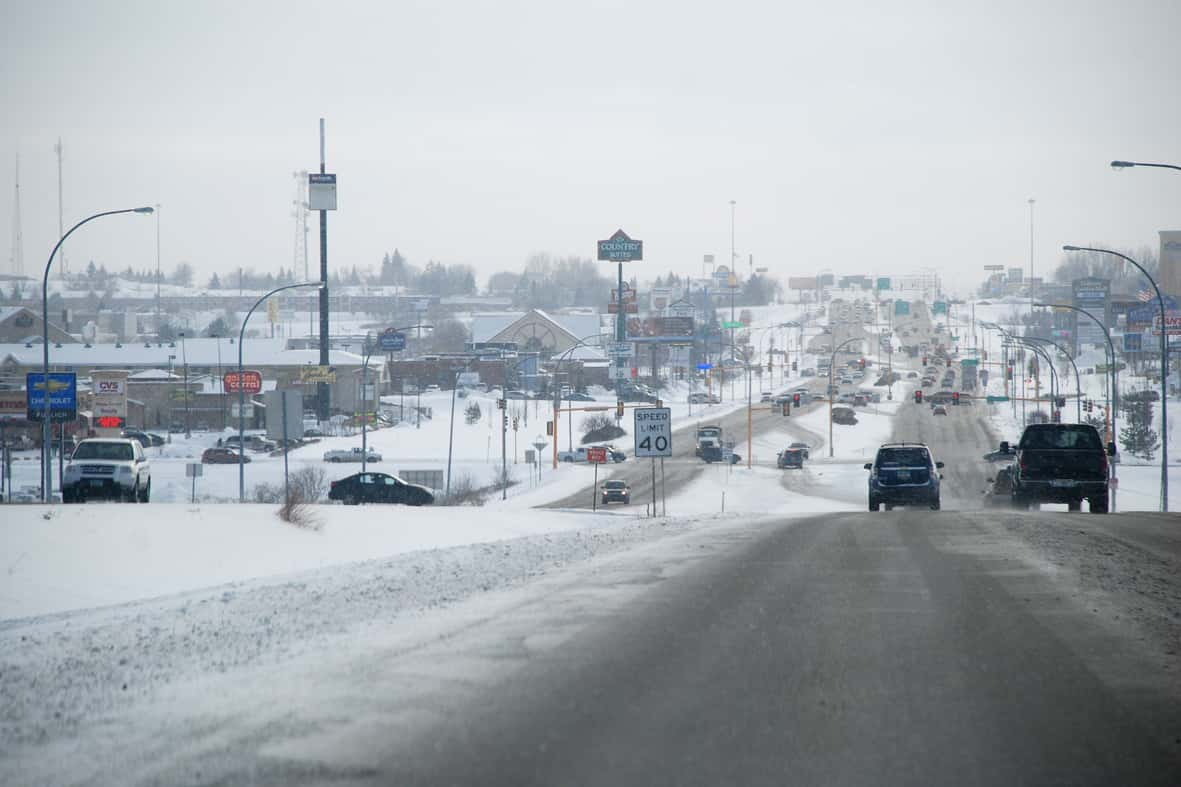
point(242, 390)
point(1164, 369)
point(1077, 385)
point(1113, 381)
point(831, 367)
point(46, 463)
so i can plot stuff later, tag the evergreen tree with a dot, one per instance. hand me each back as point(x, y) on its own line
point(1137, 434)
point(471, 414)
point(214, 282)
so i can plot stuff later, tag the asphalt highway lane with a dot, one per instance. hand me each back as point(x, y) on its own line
point(902, 648)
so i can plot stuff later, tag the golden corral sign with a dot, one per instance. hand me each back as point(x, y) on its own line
point(317, 374)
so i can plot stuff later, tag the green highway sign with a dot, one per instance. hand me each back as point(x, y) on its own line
point(731, 324)
point(995, 399)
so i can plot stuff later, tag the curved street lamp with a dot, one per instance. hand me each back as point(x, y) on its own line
point(369, 348)
point(242, 391)
point(831, 366)
point(1164, 368)
point(1128, 164)
point(565, 356)
point(46, 464)
point(1078, 388)
point(1040, 352)
point(1113, 381)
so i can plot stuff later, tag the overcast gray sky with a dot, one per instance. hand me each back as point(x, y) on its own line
point(856, 136)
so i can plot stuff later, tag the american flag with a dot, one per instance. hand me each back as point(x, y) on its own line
point(1145, 296)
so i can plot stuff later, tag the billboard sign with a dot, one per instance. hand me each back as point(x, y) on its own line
point(63, 396)
point(1172, 320)
point(801, 282)
point(1133, 342)
point(1149, 312)
point(391, 341)
point(250, 382)
point(1093, 295)
point(321, 191)
point(317, 374)
point(620, 248)
point(110, 400)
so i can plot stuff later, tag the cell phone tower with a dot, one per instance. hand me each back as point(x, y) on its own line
point(17, 258)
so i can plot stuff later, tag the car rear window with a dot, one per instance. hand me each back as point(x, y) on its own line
point(902, 457)
point(1062, 437)
point(111, 452)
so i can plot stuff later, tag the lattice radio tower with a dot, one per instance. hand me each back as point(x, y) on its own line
point(300, 213)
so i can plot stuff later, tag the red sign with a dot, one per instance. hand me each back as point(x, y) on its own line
point(250, 382)
point(596, 455)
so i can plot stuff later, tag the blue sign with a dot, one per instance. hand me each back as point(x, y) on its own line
point(620, 248)
point(704, 367)
point(63, 396)
point(901, 307)
point(391, 342)
point(1132, 342)
point(1147, 313)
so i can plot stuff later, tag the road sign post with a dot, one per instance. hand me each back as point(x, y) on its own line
point(652, 429)
point(596, 456)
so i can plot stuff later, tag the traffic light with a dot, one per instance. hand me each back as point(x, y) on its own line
point(918, 397)
point(516, 423)
point(786, 407)
point(770, 367)
point(549, 428)
point(948, 363)
point(1089, 406)
point(985, 355)
point(924, 360)
point(955, 398)
point(504, 423)
point(795, 365)
point(862, 366)
point(795, 399)
point(619, 409)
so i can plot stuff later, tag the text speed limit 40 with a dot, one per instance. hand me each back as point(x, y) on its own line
point(653, 431)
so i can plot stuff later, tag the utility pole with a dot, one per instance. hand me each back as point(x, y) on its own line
point(322, 388)
point(158, 275)
point(1031, 299)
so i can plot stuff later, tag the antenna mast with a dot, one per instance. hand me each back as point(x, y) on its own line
point(18, 241)
point(61, 227)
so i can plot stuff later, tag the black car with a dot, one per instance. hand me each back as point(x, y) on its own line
point(1060, 463)
point(146, 439)
point(792, 457)
point(903, 474)
point(378, 488)
point(615, 490)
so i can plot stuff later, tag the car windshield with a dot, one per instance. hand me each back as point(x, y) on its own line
point(902, 457)
point(1062, 437)
point(615, 484)
point(112, 452)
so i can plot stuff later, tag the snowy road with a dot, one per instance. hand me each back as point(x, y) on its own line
point(854, 648)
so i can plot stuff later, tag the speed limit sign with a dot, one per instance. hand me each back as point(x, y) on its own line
point(653, 431)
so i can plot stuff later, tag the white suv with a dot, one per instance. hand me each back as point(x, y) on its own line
point(107, 468)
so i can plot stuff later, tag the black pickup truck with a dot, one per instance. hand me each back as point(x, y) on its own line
point(1060, 463)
